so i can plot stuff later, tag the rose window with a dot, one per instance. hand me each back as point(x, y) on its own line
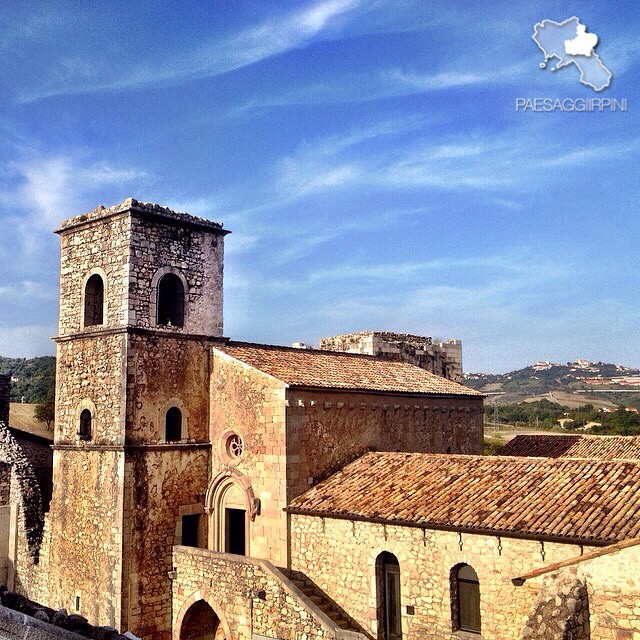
point(235, 446)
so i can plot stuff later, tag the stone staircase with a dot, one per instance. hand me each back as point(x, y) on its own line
point(321, 600)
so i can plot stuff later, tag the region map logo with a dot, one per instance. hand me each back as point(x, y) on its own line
point(570, 43)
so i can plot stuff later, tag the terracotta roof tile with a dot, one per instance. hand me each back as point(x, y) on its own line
point(581, 500)
point(574, 446)
point(333, 370)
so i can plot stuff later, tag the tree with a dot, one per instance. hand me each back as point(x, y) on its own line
point(46, 412)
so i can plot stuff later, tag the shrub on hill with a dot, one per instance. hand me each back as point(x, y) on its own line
point(36, 378)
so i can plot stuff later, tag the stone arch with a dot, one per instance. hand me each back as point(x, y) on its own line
point(464, 587)
point(388, 596)
point(202, 595)
point(155, 291)
point(29, 491)
point(92, 276)
point(162, 415)
point(373, 569)
point(86, 405)
point(229, 483)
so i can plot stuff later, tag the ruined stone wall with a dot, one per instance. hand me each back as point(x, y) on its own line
point(21, 517)
point(5, 483)
point(340, 555)
point(23, 491)
point(5, 398)
point(561, 611)
point(38, 452)
point(326, 430)
point(442, 358)
point(251, 404)
point(603, 591)
point(247, 596)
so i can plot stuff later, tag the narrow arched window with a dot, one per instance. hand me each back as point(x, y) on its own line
point(93, 301)
point(465, 599)
point(388, 597)
point(170, 301)
point(84, 428)
point(173, 425)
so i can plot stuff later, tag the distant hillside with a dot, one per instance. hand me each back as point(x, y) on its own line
point(33, 378)
point(571, 384)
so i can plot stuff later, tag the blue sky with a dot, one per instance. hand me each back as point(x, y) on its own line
point(367, 156)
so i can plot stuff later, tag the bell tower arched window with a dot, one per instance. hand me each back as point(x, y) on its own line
point(170, 301)
point(94, 301)
point(173, 425)
point(85, 425)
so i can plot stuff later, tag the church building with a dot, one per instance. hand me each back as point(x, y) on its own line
point(206, 488)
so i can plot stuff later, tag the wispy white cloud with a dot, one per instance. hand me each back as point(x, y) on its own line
point(38, 191)
point(27, 289)
point(515, 265)
point(418, 82)
point(49, 186)
point(246, 47)
point(479, 160)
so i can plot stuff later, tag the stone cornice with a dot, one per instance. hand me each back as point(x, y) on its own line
point(161, 446)
point(143, 331)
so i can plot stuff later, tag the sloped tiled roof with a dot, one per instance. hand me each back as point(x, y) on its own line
point(574, 446)
point(579, 500)
point(333, 370)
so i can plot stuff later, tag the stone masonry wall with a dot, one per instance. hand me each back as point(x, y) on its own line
point(195, 253)
point(127, 246)
point(247, 596)
point(83, 554)
point(5, 398)
point(84, 543)
point(163, 372)
point(105, 247)
point(251, 404)
point(561, 612)
point(91, 369)
point(340, 555)
point(164, 480)
point(612, 585)
point(162, 485)
point(326, 430)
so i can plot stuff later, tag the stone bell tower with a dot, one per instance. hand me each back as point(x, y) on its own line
point(140, 307)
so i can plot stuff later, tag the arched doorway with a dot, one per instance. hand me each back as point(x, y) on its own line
point(388, 597)
point(200, 622)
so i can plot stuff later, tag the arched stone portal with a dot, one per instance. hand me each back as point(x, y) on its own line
point(200, 622)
